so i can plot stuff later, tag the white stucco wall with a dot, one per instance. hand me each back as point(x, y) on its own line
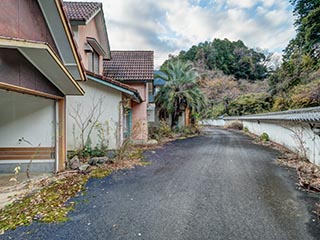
point(28, 117)
point(109, 118)
point(288, 134)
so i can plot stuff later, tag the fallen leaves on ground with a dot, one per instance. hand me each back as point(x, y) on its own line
point(308, 173)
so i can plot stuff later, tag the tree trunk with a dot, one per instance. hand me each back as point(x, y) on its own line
point(175, 114)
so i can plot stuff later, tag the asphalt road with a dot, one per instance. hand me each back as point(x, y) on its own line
point(217, 186)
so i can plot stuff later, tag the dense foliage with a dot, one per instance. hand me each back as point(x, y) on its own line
point(249, 104)
point(232, 58)
point(301, 58)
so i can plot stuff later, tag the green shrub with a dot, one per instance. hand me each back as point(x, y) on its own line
point(250, 104)
point(264, 137)
point(217, 110)
point(189, 130)
point(245, 129)
point(87, 152)
point(162, 131)
point(98, 152)
point(280, 104)
point(165, 129)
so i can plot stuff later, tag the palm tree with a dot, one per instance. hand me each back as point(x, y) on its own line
point(180, 91)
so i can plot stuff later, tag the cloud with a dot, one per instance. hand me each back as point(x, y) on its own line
point(242, 3)
point(168, 26)
point(269, 3)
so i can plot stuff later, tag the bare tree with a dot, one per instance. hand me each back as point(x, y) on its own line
point(86, 119)
point(298, 136)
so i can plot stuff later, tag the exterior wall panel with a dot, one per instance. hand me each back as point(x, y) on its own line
point(23, 19)
point(16, 70)
point(139, 114)
point(84, 31)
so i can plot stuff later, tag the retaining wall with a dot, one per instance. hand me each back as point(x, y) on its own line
point(296, 136)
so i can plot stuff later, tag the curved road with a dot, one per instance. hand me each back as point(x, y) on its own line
point(217, 186)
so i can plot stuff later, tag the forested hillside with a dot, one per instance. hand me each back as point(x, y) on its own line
point(239, 80)
point(296, 83)
point(232, 58)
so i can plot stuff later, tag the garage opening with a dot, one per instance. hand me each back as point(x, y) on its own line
point(27, 132)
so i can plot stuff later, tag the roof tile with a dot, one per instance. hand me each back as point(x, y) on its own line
point(130, 66)
point(81, 11)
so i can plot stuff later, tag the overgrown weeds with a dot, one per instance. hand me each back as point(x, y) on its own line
point(235, 125)
point(47, 205)
point(128, 151)
point(162, 132)
point(190, 130)
point(50, 203)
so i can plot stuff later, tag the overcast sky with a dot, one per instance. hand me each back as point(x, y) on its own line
point(169, 26)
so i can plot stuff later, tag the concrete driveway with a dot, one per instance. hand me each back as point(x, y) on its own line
point(217, 186)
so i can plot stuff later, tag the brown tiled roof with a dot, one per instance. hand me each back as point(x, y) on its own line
point(130, 66)
point(81, 11)
point(114, 82)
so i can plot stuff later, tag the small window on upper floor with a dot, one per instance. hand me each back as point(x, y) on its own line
point(93, 62)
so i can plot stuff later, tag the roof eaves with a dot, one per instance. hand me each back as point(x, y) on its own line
point(119, 86)
point(30, 49)
point(106, 35)
point(71, 38)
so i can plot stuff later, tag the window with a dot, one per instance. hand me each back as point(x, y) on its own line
point(93, 62)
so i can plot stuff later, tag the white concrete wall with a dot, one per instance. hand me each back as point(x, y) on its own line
point(109, 118)
point(182, 120)
point(151, 112)
point(28, 117)
point(212, 122)
point(288, 135)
